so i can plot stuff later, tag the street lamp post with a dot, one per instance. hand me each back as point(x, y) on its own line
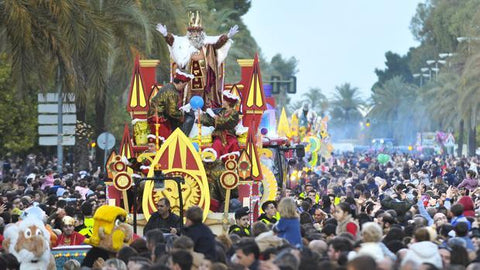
point(421, 75)
point(467, 39)
point(436, 62)
point(425, 69)
point(446, 55)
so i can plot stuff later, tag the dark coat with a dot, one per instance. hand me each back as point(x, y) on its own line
point(203, 239)
point(400, 206)
point(242, 232)
point(94, 253)
point(157, 222)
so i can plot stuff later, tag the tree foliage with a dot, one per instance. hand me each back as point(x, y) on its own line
point(392, 112)
point(448, 101)
point(284, 68)
point(396, 66)
point(346, 103)
point(17, 115)
point(317, 100)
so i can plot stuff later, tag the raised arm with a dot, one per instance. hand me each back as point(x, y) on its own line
point(225, 37)
point(163, 30)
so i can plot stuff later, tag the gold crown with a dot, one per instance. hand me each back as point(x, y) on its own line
point(195, 21)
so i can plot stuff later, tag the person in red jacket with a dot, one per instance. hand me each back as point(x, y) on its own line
point(468, 208)
point(345, 221)
point(69, 236)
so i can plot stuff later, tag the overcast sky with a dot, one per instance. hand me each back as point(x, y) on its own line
point(334, 41)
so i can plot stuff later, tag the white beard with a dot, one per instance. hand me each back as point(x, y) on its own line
point(197, 41)
point(25, 258)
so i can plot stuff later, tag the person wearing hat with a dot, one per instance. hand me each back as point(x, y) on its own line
point(201, 55)
point(269, 209)
point(69, 236)
point(164, 106)
point(306, 116)
point(242, 226)
point(224, 120)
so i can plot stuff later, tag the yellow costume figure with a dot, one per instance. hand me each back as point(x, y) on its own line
point(110, 232)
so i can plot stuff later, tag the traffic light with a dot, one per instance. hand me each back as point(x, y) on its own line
point(290, 85)
point(275, 85)
point(367, 123)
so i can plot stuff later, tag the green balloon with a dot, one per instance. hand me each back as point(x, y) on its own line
point(383, 158)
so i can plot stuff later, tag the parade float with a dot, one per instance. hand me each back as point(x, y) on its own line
point(199, 140)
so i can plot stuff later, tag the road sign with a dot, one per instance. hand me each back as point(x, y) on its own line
point(53, 130)
point(52, 140)
point(106, 141)
point(53, 98)
point(44, 119)
point(48, 119)
point(53, 108)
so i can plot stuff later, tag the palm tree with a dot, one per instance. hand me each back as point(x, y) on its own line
point(69, 44)
point(470, 99)
point(346, 102)
point(445, 110)
point(50, 36)
point(317, 100)
point(42, 38)
point(126, 32)
point(391, 106)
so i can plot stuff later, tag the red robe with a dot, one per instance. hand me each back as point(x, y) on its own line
point(74, 239)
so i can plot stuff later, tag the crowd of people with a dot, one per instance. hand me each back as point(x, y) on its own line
point(351, 212)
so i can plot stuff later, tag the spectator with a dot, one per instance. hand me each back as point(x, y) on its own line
point(457, 215)
point(288, 227)
point(470, 182)
point(362, 263)
point(154, 237)
point(247, 254)
point(338, 249)
point(181, 260)
point(346, 223)
point(423, 250)
point(138, 263)
point(202, 236)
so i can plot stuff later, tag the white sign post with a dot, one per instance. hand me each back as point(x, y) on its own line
point(53, 129)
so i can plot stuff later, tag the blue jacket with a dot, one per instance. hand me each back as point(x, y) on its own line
point(289, 229)
point(461, 218)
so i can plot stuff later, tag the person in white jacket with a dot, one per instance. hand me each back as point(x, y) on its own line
point(422, 250)
point(372, 245)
